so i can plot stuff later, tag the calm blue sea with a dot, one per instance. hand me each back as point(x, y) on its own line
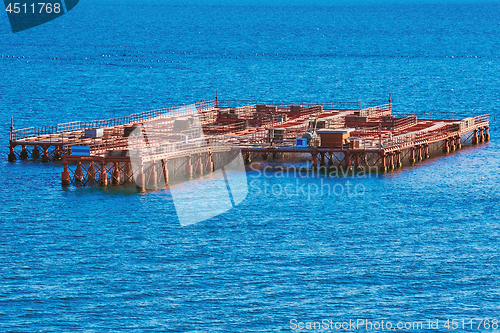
point(415, 245)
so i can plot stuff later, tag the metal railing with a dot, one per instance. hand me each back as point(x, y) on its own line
point(439, 115)
point(484, 118)
point(375, 110)
point(286, 104)
point(112, 122)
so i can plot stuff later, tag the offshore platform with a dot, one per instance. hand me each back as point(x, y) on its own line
point(186, 141)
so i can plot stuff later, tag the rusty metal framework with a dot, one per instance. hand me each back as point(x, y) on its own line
point(379, 138)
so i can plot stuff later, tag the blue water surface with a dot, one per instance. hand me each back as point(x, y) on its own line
point(417, 244)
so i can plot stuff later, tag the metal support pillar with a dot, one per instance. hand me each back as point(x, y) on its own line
point(314, 159)
point(348, 160)
point(446, 148)
point(116, 175)
point(383, 167)
point(128, 173)
point(189, 168)
point(91, 172)
point(200, 165)
point(164, 165)
point(486, 134)
point(57, 153)
point(79, 172)
point(330, 158)
point(24, 153)
point(391, 161)
point(65, 177)
point(103, 175)
point(35, 153)
point(45, 155)
point(12, 153)
point(210, 164)
point(248, 160)
point(322, 159)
